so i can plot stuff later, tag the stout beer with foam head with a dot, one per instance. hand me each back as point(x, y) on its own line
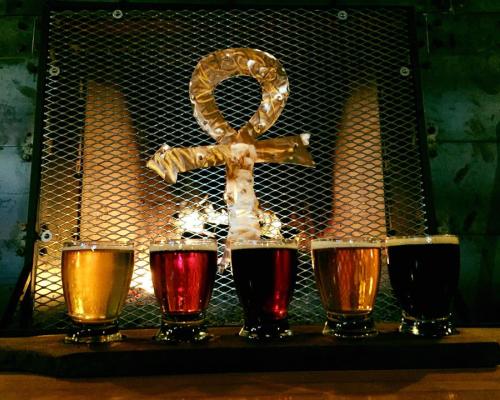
point(424, 273)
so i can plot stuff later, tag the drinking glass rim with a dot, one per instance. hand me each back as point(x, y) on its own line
point(421, 239)
point(209, 244)
point(347, 242)
point(98, 245)
point(240, 244)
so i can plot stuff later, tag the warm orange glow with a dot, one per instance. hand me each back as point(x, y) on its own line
point(358, 187)
point(111, 190)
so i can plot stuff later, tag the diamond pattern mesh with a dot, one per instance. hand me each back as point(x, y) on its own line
point(117, 89)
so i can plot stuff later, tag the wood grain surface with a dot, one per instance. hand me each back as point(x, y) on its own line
point(332, 385)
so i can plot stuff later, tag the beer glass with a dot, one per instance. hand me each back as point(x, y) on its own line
point(347, 273)
point(96, 279)
point(183, 273)
point(264, 273)
point(424, 271)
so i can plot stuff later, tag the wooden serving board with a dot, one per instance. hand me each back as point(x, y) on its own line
point(307, 350)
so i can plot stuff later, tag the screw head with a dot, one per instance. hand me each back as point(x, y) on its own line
point(117, 14)
point(342, 15)
point(54, 71)
point(404, 71)
point(46, 236)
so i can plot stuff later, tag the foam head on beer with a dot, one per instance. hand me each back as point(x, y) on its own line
point(328, 243)
point(419, 240)
point(184, 245)
point(92, 246)
point(262, 244)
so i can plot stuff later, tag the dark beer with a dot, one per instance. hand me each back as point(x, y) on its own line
point(264, 276)
point(183, 277)
point(347, 275)
point(424, 274)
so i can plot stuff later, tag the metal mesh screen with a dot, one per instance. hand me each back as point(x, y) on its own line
point(117, 89)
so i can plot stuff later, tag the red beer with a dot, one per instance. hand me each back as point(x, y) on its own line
point(183, 273)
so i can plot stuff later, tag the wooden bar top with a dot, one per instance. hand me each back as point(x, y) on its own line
point(477, 384)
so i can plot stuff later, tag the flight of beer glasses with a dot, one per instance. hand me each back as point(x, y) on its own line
point(264, 273)
point(424, 271)
point(183, 273)
point(96, 278)
point(347, 275)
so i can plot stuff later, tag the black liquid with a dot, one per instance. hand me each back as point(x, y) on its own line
point(424, 278)
point(264, 280)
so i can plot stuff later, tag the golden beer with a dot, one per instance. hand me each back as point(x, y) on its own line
point(96, 279)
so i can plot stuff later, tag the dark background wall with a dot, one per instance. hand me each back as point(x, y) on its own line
point(459, 49)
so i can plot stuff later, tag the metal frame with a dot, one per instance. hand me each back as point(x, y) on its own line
point(23, 290)
point(422, 132)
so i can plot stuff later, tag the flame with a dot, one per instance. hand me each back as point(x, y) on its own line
point(270, 225)
point(144, 282)
point(192, 221)
point(194, 217)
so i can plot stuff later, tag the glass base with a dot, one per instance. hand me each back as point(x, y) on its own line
point(94, 333)
point(266, 331)
point(350, 326)
point(178, 331)
point(427, 328)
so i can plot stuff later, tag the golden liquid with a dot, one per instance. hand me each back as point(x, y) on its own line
point(347, 278)
point(96, 283)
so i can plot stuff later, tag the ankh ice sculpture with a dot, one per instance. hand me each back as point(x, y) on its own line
point(239, 149)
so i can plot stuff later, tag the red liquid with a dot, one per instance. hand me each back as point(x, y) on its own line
point(183, 280)
point(264, 279)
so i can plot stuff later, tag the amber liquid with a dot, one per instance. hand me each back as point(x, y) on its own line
point(96, 283)
point(347, 278)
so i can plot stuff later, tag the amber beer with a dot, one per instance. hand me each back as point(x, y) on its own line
point(347, 274)
point(183, 273)
point(96, 279)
